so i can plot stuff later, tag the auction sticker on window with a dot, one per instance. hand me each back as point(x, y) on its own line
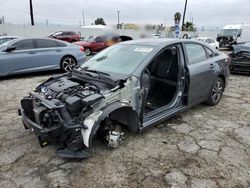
point(145, 50)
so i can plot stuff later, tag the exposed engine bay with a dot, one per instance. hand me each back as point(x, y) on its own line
point(225, 41)
point(63, 112)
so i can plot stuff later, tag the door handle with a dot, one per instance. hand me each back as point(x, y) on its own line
point(32, 52)
point(211, 66)
point(58, 50)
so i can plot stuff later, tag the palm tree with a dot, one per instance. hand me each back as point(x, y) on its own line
point(177, 17)
point(188, 26)
point(184, 14)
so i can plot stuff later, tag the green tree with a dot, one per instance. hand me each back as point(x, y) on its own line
point(177, 17)
point(189, 26)
point(99, 21)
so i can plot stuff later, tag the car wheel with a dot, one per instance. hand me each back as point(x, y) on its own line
point(215, 92)
point(68, 63)
point(87, 51)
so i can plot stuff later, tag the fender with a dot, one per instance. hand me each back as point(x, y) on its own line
point(93, 121)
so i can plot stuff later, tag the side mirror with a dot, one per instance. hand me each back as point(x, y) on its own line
point(10, 48)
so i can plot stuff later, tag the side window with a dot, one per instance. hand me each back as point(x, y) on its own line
point(195, 53)
point(66, 33)
point(60, 44)
point(99, 39)
point(207, 41)
point(44, 43)
point(211, 40)
point(24, 44)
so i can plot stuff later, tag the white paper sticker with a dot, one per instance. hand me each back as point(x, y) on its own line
point(145, 50)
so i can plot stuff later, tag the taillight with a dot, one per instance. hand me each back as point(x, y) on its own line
point(81, 49)
point(228, 60)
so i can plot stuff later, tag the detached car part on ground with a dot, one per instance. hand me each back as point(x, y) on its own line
point(240, 58)
point(128, 86)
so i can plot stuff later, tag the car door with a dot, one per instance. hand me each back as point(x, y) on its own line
point(99, 44)
point(20, 60)
point(201, 67)
point(49, 54)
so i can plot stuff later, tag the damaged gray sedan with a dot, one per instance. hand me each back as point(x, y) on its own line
point(129, 86)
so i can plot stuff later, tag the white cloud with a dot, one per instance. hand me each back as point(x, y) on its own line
point(204, 12)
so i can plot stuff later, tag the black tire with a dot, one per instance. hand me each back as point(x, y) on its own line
point(215, 92)
point(68, 63)
point(87, 51)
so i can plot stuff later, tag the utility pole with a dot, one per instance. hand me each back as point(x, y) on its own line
point(47, 23)
point(83, 19)
point(183, 20)
point(2, 19)
point(118, 14)
point(31, 13)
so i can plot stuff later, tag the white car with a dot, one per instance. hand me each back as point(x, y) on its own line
point(210, 41)
point(4, 39)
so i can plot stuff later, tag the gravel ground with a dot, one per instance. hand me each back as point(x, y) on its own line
point(203, 147)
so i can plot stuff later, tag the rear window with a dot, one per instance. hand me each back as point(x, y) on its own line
point(44, 43)
point(60, 44)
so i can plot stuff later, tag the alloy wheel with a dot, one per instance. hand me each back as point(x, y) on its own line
point(68, 64)
point(87, 51)
point(217, 91)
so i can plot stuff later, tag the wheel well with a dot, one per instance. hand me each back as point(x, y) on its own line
point(223, 79)
point(67, 56)
point(125, 116)
point(88, 48)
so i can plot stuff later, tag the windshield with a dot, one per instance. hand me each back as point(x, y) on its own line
point(200, 39)
point(229, 32)
point(4, 45)
point(118, 59)
point(91, 39)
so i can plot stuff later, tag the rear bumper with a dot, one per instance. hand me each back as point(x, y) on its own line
point(82, 59)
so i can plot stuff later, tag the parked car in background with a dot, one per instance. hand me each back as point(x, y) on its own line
point(68, 36)
point(4, 39)
point(128, 86)
point(38, 54)
point(95, 44)
point(210, 41)
point(240, 58)
point(233, 34)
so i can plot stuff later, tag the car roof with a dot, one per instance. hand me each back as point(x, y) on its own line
point(20, 39)
point(8, 36)
point(202, 38)
point(155, 42)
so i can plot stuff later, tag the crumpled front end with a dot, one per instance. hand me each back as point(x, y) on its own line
point(240, 58)
point(57, 112)
point(225, 41)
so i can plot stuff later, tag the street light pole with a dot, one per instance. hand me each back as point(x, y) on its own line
point(118, 14)
point(184, 14)
point(31, 13)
